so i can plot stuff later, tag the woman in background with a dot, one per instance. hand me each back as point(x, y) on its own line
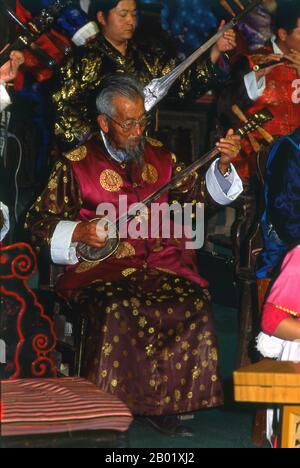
point(280, 337)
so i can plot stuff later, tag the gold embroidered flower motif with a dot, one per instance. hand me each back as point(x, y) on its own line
point(199, 304)
point(86, 266)
point(125, 250)
point(107, 349)
point(150, 350)
point(114, 383)
point(185, 345)
point(77, 154)
point(196, 372)
point(128, 272)
point(142, 322)
point(111, 181)
point(150, 174)
point(177, 395)
point(52, 185)
point(135, 302)
point(155, 143)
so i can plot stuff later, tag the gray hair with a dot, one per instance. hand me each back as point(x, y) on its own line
point(117, 85)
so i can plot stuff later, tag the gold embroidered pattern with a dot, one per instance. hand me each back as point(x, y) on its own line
point(128, 272)
point(125, 250)
point(150, 174)
point(78, 154)
point(107, 349)
point(85, 266)
point(155, 143)
point(111, 181)
point(52, 185)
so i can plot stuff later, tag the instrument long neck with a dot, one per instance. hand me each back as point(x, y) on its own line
point(172, 184)
point(173, 75)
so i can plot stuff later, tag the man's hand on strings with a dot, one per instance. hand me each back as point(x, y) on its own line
point(229, 148)
point(93, 234)
point(226, 43)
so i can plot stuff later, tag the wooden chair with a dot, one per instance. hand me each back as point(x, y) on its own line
point(26, 329)
point(51, 412)
point(248, 242)
point(70, 321)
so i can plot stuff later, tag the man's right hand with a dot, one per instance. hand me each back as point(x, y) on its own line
point(92, 234)
point(262, 59)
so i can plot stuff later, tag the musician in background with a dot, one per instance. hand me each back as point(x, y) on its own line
point(8, 72)
point(280, 259)
point(114, 51)
point(150, 339)
point(273, 87)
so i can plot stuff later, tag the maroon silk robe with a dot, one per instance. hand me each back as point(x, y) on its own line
point(150, 336)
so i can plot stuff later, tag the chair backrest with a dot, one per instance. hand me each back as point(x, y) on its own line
point(70, 320)
point(27, 330)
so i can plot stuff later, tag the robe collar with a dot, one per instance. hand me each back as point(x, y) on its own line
point(119, 156)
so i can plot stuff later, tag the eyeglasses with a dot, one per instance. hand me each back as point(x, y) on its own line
point(130, 124)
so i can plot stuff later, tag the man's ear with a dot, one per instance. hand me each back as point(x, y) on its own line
point(282, 34)
point(101, 18)
point(103, 123)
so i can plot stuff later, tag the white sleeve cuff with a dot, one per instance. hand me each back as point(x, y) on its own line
point(82, 36)
point(216, 191)
point(5, 227)
point(4, 98)
point(255, 89)
point(63, 251)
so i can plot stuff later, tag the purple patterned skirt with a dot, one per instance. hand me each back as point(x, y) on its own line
point(151, 342)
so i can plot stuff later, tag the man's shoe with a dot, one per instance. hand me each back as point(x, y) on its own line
point(168, 425)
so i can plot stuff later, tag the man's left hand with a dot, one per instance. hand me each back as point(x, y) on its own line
point(225, 44)
point(9, 70)
point(294, 58)
point(229, 148)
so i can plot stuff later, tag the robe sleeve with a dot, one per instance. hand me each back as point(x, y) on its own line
point(201, 77)
point(59, 202)
point(207, 188)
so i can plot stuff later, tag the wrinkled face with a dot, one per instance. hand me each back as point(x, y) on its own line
point(291, 40)
point(127, 124)
point(120, 24)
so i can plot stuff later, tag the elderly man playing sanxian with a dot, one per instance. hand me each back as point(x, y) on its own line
point(150, 338)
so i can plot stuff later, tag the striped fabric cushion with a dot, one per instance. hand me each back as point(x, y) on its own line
point(45, 406)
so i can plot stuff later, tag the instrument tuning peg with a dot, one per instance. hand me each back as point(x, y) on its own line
point(239, 4)
point(242, 117)
point(227, 7)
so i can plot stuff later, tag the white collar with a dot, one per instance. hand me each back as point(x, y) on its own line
point(276, 49)
point(118, 155)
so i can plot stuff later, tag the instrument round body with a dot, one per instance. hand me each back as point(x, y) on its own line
point(96, 254)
